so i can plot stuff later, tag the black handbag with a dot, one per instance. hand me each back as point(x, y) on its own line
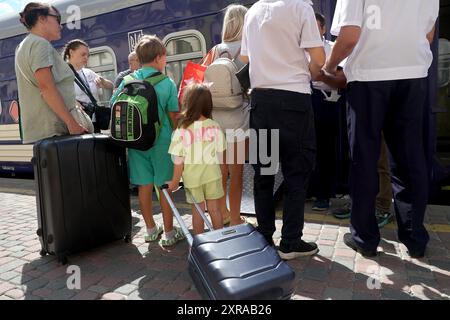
point(102, 114)
point(243, 76)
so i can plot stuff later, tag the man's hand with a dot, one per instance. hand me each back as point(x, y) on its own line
point(318, 76)
point(330, 69)
point(101, 82)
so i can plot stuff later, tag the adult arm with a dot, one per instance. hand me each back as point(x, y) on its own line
point(430, 35)
point(317, 61)
point(104, 83)
point(53, 98)
point(345, 43)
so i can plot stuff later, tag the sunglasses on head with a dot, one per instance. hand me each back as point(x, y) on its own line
point(57, 16)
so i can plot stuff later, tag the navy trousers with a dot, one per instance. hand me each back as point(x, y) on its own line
point(291, 113)
point(397, 108)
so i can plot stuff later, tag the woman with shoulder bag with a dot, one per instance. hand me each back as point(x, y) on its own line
point(87, 82)
point(45, 82)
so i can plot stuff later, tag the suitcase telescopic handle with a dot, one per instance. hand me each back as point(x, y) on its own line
point(177, 215)
point(197, 207)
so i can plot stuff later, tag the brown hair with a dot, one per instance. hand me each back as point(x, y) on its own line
point(32, 11)
point(197, 102)
point(72, 45)
point(149, 48)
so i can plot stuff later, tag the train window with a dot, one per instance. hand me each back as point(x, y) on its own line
point(103, 61)
point(184, 46)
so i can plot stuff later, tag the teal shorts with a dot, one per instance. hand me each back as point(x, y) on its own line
point(153, 166)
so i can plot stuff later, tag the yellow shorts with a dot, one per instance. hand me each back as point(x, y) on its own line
point(209, 191)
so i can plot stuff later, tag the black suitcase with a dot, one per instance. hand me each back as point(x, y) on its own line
point(82, 193)
point(235, 263)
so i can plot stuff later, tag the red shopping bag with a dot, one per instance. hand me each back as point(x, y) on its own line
point(194, 72)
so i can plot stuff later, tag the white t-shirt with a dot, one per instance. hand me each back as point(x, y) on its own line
point(275, 36)
point(393, 43)
point(88, 76)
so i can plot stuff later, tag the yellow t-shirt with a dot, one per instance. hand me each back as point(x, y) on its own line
point(199, 145)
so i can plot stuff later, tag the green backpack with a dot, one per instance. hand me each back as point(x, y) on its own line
point(135, 120)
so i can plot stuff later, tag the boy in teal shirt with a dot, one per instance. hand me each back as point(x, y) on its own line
point(154, 166)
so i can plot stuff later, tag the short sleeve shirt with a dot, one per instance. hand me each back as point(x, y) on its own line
point(199, 145)
point(393, 43)
point(166, 92)
point(37, 119)
point(275, 36)
point(88, 77)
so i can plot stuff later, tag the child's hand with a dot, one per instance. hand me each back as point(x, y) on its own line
point(173, 186)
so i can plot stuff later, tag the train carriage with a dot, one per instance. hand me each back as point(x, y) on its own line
point(188, 29)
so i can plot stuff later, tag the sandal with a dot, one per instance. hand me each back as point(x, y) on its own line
point(227, 220)
point(179, 235)
point(155, 235)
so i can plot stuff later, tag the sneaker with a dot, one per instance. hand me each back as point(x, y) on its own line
point(343, 212)
point(179, 235)
point(321, 205)
point(155, 235)
point(383, 217)
point(299, 249)
point(350, 242)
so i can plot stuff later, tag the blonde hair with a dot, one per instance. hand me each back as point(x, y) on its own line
point(233, 23)
point(149, 48)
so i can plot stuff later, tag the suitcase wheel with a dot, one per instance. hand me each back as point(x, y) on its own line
point(43, 253)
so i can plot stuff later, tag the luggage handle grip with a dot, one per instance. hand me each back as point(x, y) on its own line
point(197, 207)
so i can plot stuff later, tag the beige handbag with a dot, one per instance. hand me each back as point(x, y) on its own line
point(82, 118)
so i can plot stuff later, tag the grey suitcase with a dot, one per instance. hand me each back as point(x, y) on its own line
point(235, 263)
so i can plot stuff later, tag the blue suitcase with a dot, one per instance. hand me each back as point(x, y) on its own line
point(235, 263)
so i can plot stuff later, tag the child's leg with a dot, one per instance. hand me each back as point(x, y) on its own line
point(145, 203)
point(214, 213)
point(236, 181)
point(223, 201)
point(197, 222)
point(167, 212)
point(236, 170)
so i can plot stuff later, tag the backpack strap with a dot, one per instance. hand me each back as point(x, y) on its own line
point(156, 78)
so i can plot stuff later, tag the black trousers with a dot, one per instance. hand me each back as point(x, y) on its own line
point(326, 122)
point(290, 113)
point(397, 108)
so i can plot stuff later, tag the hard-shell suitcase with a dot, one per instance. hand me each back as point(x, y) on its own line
point(235, 263)
point(82, 193)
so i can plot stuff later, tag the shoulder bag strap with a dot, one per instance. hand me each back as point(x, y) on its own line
point(80, 83)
